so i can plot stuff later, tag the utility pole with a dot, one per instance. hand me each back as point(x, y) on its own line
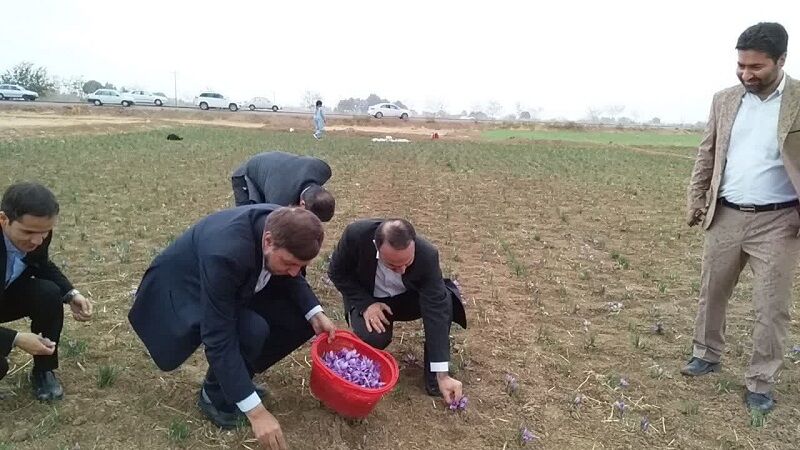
point(175, 79)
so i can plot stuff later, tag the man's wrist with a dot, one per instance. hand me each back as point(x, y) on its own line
point(67, 298)
point(313, 312)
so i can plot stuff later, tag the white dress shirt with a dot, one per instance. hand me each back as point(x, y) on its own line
point(389, 283)
point(754, 173)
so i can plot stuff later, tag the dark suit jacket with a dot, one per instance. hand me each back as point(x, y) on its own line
point(279, 178)
point(352, 270)
point(194, 290)
point(39, 266)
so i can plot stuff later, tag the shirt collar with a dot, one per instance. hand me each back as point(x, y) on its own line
point(779, 89)
point(11, 248)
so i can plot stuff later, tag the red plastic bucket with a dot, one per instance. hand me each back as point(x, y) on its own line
point(346, 398)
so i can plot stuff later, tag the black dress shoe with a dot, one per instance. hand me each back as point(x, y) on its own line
point(760, 402)
point(431, 385)
point(697, 367)
point(46, 386)
point(224, 416)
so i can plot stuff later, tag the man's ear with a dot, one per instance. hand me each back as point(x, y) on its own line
point(267, 239)
point(302, 204)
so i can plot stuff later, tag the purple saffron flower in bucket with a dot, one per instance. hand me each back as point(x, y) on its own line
point(354, 367)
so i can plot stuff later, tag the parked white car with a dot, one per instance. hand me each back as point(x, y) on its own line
point(15, 91)
point(111, 97)
point(214, 100)
point(261, 103)
point(148, 98)
point(388, 110)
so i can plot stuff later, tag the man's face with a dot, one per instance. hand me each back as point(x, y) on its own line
point(396, 260)
point(27, 232)
point(280, 261)
point(758, 72)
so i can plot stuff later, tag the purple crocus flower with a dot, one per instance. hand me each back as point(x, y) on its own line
point(526, 436)
point(644, 424)
point(620, 407)
point(512, 385)
point(459, 405)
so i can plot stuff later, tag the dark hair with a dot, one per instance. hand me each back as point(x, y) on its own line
point(296, 230)
point(768, 37)
point(319, 201)
point(319, 103)
point(398, 233)
point(28, 198)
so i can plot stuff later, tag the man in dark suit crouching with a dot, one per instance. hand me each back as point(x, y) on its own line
point(231, 283)
point(386, 273)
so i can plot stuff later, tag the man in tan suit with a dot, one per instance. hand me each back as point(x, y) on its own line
point(744, 192)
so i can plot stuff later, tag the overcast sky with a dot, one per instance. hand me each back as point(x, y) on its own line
point(562, 56)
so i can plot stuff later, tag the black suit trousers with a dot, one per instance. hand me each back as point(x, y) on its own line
point(405, 308)
point(40, 300)
point(241, 196)
point(269, 330)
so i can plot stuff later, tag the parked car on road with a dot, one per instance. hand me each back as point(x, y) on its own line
point(261, 103)
point(15, 91)
point(110, 97)
point(388, 110)
point(208, 100)
point(148, 98)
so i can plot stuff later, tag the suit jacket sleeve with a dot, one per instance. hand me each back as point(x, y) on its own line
point(6, 341)
point(436, 307)
point(45, 269)
point(220, 276)
point(343, 272)
point(704, 163)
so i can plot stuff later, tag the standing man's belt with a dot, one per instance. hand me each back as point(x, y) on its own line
point(760, 208)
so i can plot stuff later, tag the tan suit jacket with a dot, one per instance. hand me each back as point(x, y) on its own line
point(712, 153)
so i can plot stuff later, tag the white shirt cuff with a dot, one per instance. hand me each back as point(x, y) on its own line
point(440, 366)
point(249, 403)
point(313, 311)
point(14, 342)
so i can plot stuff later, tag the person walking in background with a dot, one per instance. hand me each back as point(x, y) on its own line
point(319, 121)
point(743, 191)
